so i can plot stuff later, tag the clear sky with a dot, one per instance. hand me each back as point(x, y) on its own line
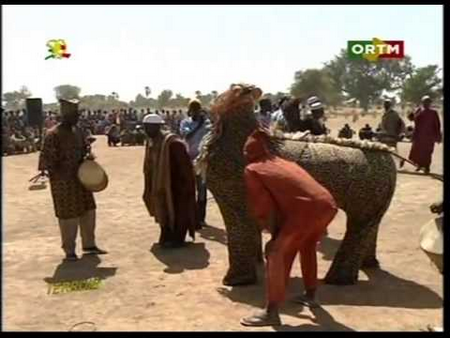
point(187, 48)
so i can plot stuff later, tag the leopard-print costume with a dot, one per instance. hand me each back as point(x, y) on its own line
point(361, 176)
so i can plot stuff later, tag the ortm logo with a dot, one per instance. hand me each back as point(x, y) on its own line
point(375, 49)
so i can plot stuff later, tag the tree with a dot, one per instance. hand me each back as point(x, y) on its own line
point(67, 92)
point(94, 102)
point(424, 81)
point(16, 99)
point(206, 99)
point(365, 80)
point(164, 98)
point(102, 102)
point(180, 101)
point(315, 82)
point(274, 98)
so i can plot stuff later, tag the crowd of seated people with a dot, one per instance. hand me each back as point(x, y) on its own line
point(121, 126)
point(17, 136)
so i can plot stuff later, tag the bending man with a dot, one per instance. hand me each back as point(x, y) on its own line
point(296, 210)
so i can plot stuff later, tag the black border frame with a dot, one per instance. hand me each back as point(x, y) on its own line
point(446, 37)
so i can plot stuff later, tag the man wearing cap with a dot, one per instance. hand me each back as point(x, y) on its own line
point(193, 129)
point(169, 193)
point(391, 126)
point(427, 132)
point(63, 151)
point(317, 125)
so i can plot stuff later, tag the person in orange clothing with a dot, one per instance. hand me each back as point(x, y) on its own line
point(291, 205)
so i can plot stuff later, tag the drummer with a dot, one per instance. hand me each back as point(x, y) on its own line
point(64, 150)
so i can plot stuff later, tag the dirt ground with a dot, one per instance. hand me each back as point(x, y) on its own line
point(145, 288)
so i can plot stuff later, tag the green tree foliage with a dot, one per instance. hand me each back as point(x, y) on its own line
point(67, 92)
point(424, 81)
point(16, 99)
point(274, 98)
point(102, 102)
point(143, 102)
point(179, 101)
point(316, 82)
point(164, 98)
point(365, 80)
point(207, 99)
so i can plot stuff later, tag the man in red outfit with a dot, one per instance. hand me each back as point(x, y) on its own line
point(296, 210)
point(427, 131)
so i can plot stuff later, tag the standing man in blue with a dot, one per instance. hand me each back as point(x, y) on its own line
point(193, 129)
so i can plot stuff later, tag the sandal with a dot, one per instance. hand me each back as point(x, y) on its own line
point(95, 251)
point(261, 318)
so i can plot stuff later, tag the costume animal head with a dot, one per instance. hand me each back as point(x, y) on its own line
point(238, 98)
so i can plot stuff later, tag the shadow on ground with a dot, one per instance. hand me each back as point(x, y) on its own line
point(382, 289)
point(82, 269)
point(418, 173)
point(253, 295)
point(214, 234)
point(322, 319)
point(192, 256)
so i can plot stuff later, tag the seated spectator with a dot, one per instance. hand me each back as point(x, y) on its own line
point(366, 133)
point(346, 132)
point(31, 140)
point(19, 141)
point(113, 135)
point(140, 136)
point(127, 137)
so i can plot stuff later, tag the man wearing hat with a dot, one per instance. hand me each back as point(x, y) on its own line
point(193, 129)
point(63, 151)
point(317, 125)
point(391, 126)
point(169, 193)
point(427, 132)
